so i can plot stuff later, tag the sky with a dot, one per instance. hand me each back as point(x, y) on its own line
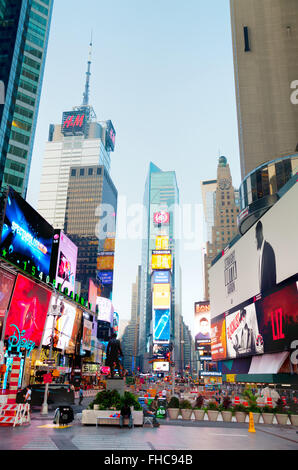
point(162, 71)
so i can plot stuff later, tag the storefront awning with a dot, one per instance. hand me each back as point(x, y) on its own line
point(268, 363)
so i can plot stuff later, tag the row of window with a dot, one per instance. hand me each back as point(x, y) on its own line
point(81, 172)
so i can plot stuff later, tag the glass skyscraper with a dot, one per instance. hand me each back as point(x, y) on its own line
point(161, 194)
point(24, 32)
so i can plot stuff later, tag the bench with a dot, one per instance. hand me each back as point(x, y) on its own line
point(110, 420)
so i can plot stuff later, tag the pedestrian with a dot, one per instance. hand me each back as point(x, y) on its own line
point(147, 412)
point(28, 395)
point(81, 394)
point(126, 413)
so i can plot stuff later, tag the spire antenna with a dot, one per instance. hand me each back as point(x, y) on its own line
point(88, 75)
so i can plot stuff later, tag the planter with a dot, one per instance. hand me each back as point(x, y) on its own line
point(294, 420)
point(173, 413)
point(199, 415)
point(256, 417)
point(240, 416)
point(282, 419)
point(89, 417)
point(186, 413)
point(212, 415)
point(96, 407)
point(268, 418)
point(227, 416)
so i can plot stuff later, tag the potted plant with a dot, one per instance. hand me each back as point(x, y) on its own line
point(212, 411)
point(226, 409)
point(281, 412)
point(198, 408)
point(267, 414)
point(173, 408)
point(186, 409)
point(240, 413)
point(252, 405)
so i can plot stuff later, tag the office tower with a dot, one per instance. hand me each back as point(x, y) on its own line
point(208, 189)
point(90, 222)
point(187, 361)
point(80, 140)
point(161, 201)
point(225, 217)
point(24, 32)
point(265, 46)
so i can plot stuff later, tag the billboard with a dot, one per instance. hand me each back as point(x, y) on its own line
point(6, 286)
point(218, 340)
point(202, 324)
point(28, 310)
point(74, 122)
point(64, 261)
point(161, 218)
point(105, 261)
point(87, 332)
point(242, 333)
point(161, 366)
point(264, 257)
point(161, 277)
point(110, 137)
point(161, 259)
point(26, 239)
point(71, 347)
point(162, 242)
point(162, 296)
point(92, 295)
point(161, 325)
point(105, 277)
point(105, 310)
point(63, 324)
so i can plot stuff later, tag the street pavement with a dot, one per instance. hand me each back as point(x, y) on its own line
point(179, 435)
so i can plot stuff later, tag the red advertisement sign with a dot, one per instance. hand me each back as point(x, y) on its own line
point(161, 217)
point(218, 340)
point(28, 309)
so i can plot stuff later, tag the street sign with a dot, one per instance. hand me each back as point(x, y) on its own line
point(47, 378)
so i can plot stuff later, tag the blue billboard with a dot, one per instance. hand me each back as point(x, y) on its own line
point(161, 326)
point(161, 277)
point(105, 277)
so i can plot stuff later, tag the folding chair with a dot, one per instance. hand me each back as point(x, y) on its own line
point(148, 420)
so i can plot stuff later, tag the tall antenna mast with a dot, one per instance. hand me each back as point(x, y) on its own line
point(88, 75)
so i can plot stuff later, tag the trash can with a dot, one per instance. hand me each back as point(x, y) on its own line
point(63, 415)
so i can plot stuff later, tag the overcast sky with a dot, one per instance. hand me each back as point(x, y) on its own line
point(162, 71)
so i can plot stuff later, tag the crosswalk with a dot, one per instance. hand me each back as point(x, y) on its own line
point(108, 443)
point(40, 444)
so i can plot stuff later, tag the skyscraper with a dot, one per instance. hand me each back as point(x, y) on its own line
point(80, 140)
point(225, 217)
point(24, 32)
point(265, 46)
point(161, 200)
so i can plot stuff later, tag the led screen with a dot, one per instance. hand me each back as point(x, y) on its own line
point(63, 324)
point(202, 324)
point(87, 331)
point(71, 347)
point(161, 366)
point(74, 122)
point(26, 239)
point(105, 277)
point(161, 260)
point(161, 296)
point(105, 310)
point(161, 277)
point(110, 137)
point(6, 286)
point(64, 261)
point(28, 309)
point(218, 340)
point(161, 328)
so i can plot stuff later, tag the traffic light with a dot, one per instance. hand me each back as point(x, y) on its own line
point(168, 356)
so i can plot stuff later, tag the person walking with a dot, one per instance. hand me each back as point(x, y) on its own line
point(28, 395)
point(114, 352)
point(81, 394)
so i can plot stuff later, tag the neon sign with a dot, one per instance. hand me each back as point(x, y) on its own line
point(17, 340)
point(71, 122)
point(28, 238)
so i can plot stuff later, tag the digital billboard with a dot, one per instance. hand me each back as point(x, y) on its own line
point(161, 277)
point(105, 277)
point(92, 295)
point(161, 366)
point(110, 137)
point(74, 122)
point(264, 257)
point(71, 347)
point(160, 350)
point(161, 218)
point(105, 310)
point(64, 261)
point(26, 239)
point(105, 261)
point(218, 340)
point(242, 333)
point(161, 259)
point(28, 310)
point(161, 325)
point(162, 242)
point(162, 296)
point(6, 286)
point(87, 332)
point(63, 324)
point(202, 324)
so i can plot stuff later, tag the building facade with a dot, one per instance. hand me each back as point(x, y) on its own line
point(265, 46)
point(24, 33)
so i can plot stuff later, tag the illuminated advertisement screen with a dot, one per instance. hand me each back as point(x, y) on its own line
point(109, 244)
point(64, 261)
point(110, 137)
point(202, 324)
point(74, 122)
point(278, 319)
point(28, 309)
point(87, 331)
point(92, 295)
point(71, 347)
point(6, 286)
point(105, 310)
point(161, 325)
point(160, 350)
point(218, 340)
point(105, 261)
point(162, 242)
point(161, 296)
point(105, 277)
point(26, 239)
point(161, 218)
point(63, 324)
point(161, 260)
point(242, 333)
point(161, 277)
point(161, 366)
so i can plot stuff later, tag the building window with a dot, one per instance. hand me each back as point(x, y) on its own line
point(99, 171)
point(90, 171)
point(246, 39)
point(82, 172)
point(73, 172)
